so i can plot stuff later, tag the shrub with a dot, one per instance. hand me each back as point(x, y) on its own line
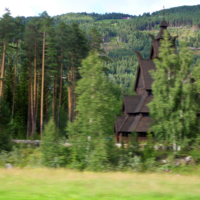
point(49, 145)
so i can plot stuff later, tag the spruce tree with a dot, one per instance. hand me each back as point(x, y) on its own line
point(173, 108)
point(96, 113)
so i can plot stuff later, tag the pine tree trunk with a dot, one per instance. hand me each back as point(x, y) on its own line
point(2, 71)
point(54, 97)
point(53, 103)
point(74, 95)
point(34, 93)
point(32, 114)
point(29, 122)
point(14, 86)
point(42, 87)
point(56, 83)
point(70, 95)
point(69, 98)
point(37, 97)
point(46, 105)
point(60, 95)
point(73, 88)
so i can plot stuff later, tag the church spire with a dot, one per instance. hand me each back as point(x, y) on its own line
point(163, 11)
point(163, 26)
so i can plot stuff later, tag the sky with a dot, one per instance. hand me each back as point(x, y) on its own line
point(58, 7)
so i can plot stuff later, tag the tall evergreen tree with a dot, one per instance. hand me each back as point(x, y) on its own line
point(96, 111)
point(173, 108)
point(7, 27)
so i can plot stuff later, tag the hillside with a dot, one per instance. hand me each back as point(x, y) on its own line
point(122, 36)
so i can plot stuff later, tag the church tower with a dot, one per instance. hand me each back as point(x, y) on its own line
point(135, 110)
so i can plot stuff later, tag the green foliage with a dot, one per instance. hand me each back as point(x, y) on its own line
point(195, 153)
point(22, 156)
point(173, 107)
point(54, 152)
point(149, 151)
point(49, 146)
point(96, 112)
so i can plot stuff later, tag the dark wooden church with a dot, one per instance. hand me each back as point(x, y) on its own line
point(135, 110)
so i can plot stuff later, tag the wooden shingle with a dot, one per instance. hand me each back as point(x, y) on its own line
point(145, 108)
point(144, 124)
point(127, 124)
point(130, 103)
point(146, 66)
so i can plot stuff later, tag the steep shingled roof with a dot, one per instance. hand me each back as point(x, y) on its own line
point(135, 123)
point(144, 124)
point(127, 124)
point(164, 24)
point(118, 122)
point(130, 103)
point(145, 108)
point(146, 66)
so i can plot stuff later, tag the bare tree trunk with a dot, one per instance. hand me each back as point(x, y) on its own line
point(74, 95)
point(70, 79)
point(42, 87)
point(73, 87)
point(29, 122)
point(47, 105)
point(69, 98)
point(54, 91)
point(34, 93)
point(60, 95)
point(14, 86)
point(32, 113)
point(56, 88)
point(37, 95)
point(2, 71)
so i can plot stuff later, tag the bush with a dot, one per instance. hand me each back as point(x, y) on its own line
point(21, 156)
point(195, 153)
point(49, 145)
point(54, 153)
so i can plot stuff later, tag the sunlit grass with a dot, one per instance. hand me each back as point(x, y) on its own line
point(72, 185)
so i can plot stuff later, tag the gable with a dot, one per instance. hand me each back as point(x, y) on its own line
point(139, 82)
point(146, 66)
point(154, 49)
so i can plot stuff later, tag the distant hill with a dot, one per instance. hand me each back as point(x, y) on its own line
point(122, 36)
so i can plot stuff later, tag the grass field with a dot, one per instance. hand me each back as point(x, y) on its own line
point(28, 184)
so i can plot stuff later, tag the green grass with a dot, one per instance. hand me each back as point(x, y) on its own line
point(28, 184)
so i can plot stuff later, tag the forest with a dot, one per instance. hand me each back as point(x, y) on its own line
point(41, 58)
point(63, 83)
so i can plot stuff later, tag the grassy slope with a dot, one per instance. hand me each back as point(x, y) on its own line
point(69, 185)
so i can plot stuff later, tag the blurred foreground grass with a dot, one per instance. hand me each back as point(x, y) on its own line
point(28, 184)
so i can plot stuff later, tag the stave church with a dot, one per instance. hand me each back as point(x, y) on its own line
point(135, 109)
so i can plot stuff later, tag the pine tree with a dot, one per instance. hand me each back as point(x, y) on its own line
point(173, 108)
point(7, 27)
point(18, 35)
